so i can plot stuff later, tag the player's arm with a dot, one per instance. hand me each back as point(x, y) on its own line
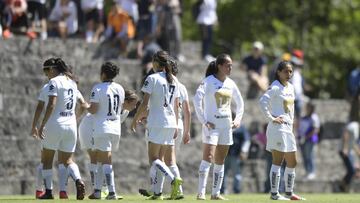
point(187, 121)
point(239, 107)
point(93, 107)
point(49, 110)
point(39, 109)
point(346, 138)
point(141, 110)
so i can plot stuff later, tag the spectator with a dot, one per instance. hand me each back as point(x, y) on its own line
point(168, 31)
point(131, 8)
point(308, 130)
point(120, 28)
point(15, 19)
point(149, 49)
point(94, 18)
point(256, 68)
point(348, 146)
point(146, 24)
point(206, 19)
point(37, 11)
point(238, 152)
point(354, 93)
point(297, 60)
point(63, 18)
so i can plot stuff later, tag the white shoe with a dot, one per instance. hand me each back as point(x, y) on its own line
point(311, 176)
point(201, 197)
point(278, 197)
point(209, 58)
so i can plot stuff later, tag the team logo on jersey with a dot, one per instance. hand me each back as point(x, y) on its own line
point(146, 83)
point(92, 94)
point(51, 87)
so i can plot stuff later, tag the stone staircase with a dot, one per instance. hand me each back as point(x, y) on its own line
point(21, 78)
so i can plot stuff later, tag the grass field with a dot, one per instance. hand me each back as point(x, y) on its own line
point(242, 198)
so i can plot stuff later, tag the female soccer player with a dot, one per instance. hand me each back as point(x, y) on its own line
point(86, 133)
point(278, 106)
point(58, 128)
point(161, 95)
point(106, 100)
point(212, 104)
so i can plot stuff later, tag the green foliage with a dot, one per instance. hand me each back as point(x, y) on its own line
point(326, 30)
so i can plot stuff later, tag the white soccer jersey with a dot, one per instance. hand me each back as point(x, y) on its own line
point(277, 101)
point(65, 89)
point(162, 97)
point(212, 102)
point(183, 97)
point(110, 98)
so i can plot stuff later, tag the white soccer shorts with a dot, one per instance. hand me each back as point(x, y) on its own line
point(280, 137)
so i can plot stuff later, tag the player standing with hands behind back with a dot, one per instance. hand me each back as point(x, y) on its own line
point(278, 106)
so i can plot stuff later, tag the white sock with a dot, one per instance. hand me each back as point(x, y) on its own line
point(289, 176)
point(109, 177)
point(159, 185)
point(218, 176)
point(63, 177)
point(175, 170)
point(92, 170)
point(89, 35)
point(39, 177)
point(47, 177)
point(153, 178)
point(161, 166)
point(99, 177)
point(74, 171)
point(204, 169)
point(275, 178)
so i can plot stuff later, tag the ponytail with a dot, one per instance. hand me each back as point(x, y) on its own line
point(168, 71)
point(61, 67)
point(211, 69)
point(162, 58)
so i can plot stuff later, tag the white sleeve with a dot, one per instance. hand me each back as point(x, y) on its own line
point(94, 97)
point(239, 103)
point(53, 89)
point(316, 121)
point(148, 85)
point(124, 114)
point(80, 96)
point(198, 102)
point(43, 94)
point(265, 102)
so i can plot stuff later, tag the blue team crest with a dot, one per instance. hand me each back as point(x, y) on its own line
point(51, 87)
point(146, 83)
point(92, 94)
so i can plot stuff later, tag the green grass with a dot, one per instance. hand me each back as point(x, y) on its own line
point(242, 198)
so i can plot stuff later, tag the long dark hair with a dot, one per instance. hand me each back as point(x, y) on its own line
point(212, 68)
point(174, 66)
point(110, 69)
point(130, 95)
point(60, 66)
point(280, 67)
point(162, 57)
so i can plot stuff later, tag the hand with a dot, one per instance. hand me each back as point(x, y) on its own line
point(278, 120)
point(143, 121)
point(210, 125)
point(235, 124)
point(345, 152)
point(243, 156)
point(175, 133)
point(133, 125)
point(186, 137)
point(34, 132)
point(41, 134)
point(85, 105)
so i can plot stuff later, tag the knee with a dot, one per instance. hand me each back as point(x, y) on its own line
point(209, 158)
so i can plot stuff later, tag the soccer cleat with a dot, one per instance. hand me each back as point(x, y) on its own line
point(175, 186)
point(218, 197)
point(47, 195)
point(156, 197)
point(63, 195)
point(111, 196)
point(80, 189)
point(39, 193)
point(201, 197)
point(295, 197)
point(180, 196)
point(95, 195)
point(277, 196)
point(145, 192)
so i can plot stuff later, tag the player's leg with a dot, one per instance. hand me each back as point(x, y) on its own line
point(289, 175)
point(218, 172)
point(204, 168)
point(47, 156)
point(170, 160)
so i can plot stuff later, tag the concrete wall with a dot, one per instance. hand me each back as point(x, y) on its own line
point(21, 78)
